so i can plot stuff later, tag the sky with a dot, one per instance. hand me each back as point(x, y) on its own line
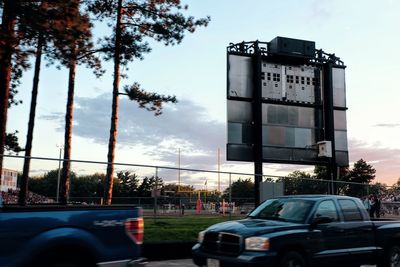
point(363, 33)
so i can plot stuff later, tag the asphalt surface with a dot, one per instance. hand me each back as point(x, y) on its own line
point(171, 263)
point(189, 263)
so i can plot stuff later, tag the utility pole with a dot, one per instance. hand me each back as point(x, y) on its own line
point(179, 170)
point(219, 170)
point(59, 171)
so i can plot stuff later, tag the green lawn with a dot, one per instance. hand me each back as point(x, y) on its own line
point(186, 228)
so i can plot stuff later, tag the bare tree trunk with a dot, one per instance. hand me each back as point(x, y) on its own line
point(65, 177)
point(7, 33)
point(31, 124)
point(114, 116)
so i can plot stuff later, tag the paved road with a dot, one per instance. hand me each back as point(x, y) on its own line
point(188, 263)
point(171, 263)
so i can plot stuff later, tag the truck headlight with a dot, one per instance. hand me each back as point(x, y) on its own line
point(257, 243)
point(201, 236)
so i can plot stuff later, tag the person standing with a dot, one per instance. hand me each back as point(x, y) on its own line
point(367, 204)
point(183, 209)
point(377, 203)
point(372, 206)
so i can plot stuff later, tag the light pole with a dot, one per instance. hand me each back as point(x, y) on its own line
point(219, 169)
point(59, 171)
point(179, 170)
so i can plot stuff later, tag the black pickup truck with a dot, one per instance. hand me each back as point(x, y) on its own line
point(299, 231)
point(71, 236)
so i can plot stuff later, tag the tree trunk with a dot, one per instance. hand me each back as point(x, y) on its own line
point(65, 176)
point(114, 115)
point(7, 45)
point(31, 124)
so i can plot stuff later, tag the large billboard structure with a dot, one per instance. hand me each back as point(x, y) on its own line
point(286, 104)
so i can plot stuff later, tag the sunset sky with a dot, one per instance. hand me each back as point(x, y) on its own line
point(363, 33)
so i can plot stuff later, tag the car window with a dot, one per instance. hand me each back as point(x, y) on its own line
point(350, 210)
point(292, 210)
point(327, 208)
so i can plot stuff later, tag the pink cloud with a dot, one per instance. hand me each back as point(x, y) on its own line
point(386, 161)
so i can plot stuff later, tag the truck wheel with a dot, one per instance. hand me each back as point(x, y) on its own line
point(393, 257)
point(292, 259)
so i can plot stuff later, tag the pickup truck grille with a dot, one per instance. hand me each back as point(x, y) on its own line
point(222, 243)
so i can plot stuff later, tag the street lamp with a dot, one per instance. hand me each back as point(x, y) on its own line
point(179, 170)
point(59, 170)
point(219, 169)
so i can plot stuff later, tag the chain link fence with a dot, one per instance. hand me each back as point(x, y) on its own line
point(210, 191)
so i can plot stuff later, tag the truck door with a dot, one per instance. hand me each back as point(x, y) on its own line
point(332, 247)
point(359, 233)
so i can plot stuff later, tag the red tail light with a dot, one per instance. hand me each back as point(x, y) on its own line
point(134, 228)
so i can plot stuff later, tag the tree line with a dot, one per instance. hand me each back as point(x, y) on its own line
point(60, 32)
point(91, 186)
point(355, 181)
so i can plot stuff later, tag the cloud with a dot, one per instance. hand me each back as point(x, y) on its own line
point(388, 125)
point(286, 167)
point(57, 116)
point(385, 160)
point(186, 125)
point(321, 10)
point(39, 171)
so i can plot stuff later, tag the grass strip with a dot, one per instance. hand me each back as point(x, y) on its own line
point(185, 228)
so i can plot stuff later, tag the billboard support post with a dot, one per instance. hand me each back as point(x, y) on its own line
point(329, 125)
point(257, 124)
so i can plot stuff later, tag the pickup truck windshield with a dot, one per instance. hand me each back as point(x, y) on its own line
point(290, 210)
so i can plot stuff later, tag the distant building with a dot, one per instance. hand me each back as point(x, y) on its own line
point(8, 180)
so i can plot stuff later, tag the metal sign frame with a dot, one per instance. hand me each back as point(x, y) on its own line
point(259, 52)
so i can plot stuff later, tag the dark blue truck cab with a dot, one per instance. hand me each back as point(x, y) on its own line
point(78, 236)
point(301, 231)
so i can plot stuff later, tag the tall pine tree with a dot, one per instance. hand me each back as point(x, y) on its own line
point(134, 21)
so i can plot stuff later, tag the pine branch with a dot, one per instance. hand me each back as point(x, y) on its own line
point(149, 101)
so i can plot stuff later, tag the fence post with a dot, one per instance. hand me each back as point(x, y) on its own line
point(230, 196)
point(155, 193)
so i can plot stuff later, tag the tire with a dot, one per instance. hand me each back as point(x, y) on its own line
point(292, 259)
point(392, 258)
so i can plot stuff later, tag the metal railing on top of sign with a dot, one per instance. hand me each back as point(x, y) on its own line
point(249, 48)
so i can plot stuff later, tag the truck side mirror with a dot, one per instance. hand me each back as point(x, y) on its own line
point(320, 220)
